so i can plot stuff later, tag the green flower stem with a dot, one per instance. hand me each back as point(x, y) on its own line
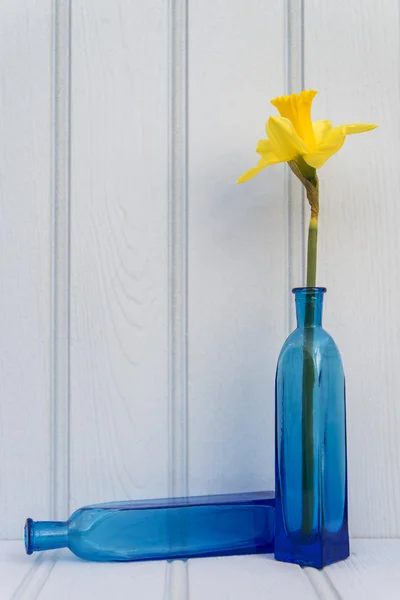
point(312, 251)
point(308, 387)
point(309, 178)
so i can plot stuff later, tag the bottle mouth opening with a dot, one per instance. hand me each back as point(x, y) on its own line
point(309, 290)
point(28, 536)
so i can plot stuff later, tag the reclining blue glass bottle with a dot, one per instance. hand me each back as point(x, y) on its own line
point(310, 454)
point(162, 529)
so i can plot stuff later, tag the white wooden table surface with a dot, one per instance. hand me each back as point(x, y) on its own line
point(372, 572)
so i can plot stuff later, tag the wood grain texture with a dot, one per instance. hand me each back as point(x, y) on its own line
point(352, 57)
point(237, 245)
point(25, 255)
point(119, 262)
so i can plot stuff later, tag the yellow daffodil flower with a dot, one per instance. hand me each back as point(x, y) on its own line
point(293, 135)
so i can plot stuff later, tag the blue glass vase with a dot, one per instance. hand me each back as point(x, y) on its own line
point(162, 529)
point(310, 442)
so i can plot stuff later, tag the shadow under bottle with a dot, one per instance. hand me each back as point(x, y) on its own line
point(311, 525)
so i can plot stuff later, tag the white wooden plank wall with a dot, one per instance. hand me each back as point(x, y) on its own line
point(352, 56)
point(123, 233)
point(119, 250)
point(25, 262)
point(237, 246)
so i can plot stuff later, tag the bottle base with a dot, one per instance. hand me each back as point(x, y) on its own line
point(318, 552)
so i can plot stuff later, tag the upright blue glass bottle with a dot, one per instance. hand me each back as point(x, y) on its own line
point(310, 445)
point(162, 529)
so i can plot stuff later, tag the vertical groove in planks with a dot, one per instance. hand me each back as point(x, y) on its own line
point(322, 584)
point(32, 584)
point(294, 34)
point(176, 586)
point(60, 352)
point(178, 248)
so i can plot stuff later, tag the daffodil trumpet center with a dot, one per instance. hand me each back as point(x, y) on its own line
point(295, 138)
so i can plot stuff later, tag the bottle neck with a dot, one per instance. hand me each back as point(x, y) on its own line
point(309, 304)
point(45, 535)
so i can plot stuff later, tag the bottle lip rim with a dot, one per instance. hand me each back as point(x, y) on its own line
point(305, 290)
point(28, 537)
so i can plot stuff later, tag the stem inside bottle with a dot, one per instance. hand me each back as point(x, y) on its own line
point(308, 385)
point(307, 422)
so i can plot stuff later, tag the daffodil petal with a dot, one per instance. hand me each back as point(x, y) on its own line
point(330, 144)
point(263, 147)
point(358, 128)
point(286, 143)
point(266, 161)
point(321, 128)
point(297, 108)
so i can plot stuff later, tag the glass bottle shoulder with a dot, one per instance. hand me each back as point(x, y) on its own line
point(316, 340)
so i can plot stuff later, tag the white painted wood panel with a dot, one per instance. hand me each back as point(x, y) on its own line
point(352, 57)
point(243, 577)
point(238, 284)
point(15, 569)
point(135, 431)
point(373, 571)
point(25, 258)
point(73, 578)
point(119, 407)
